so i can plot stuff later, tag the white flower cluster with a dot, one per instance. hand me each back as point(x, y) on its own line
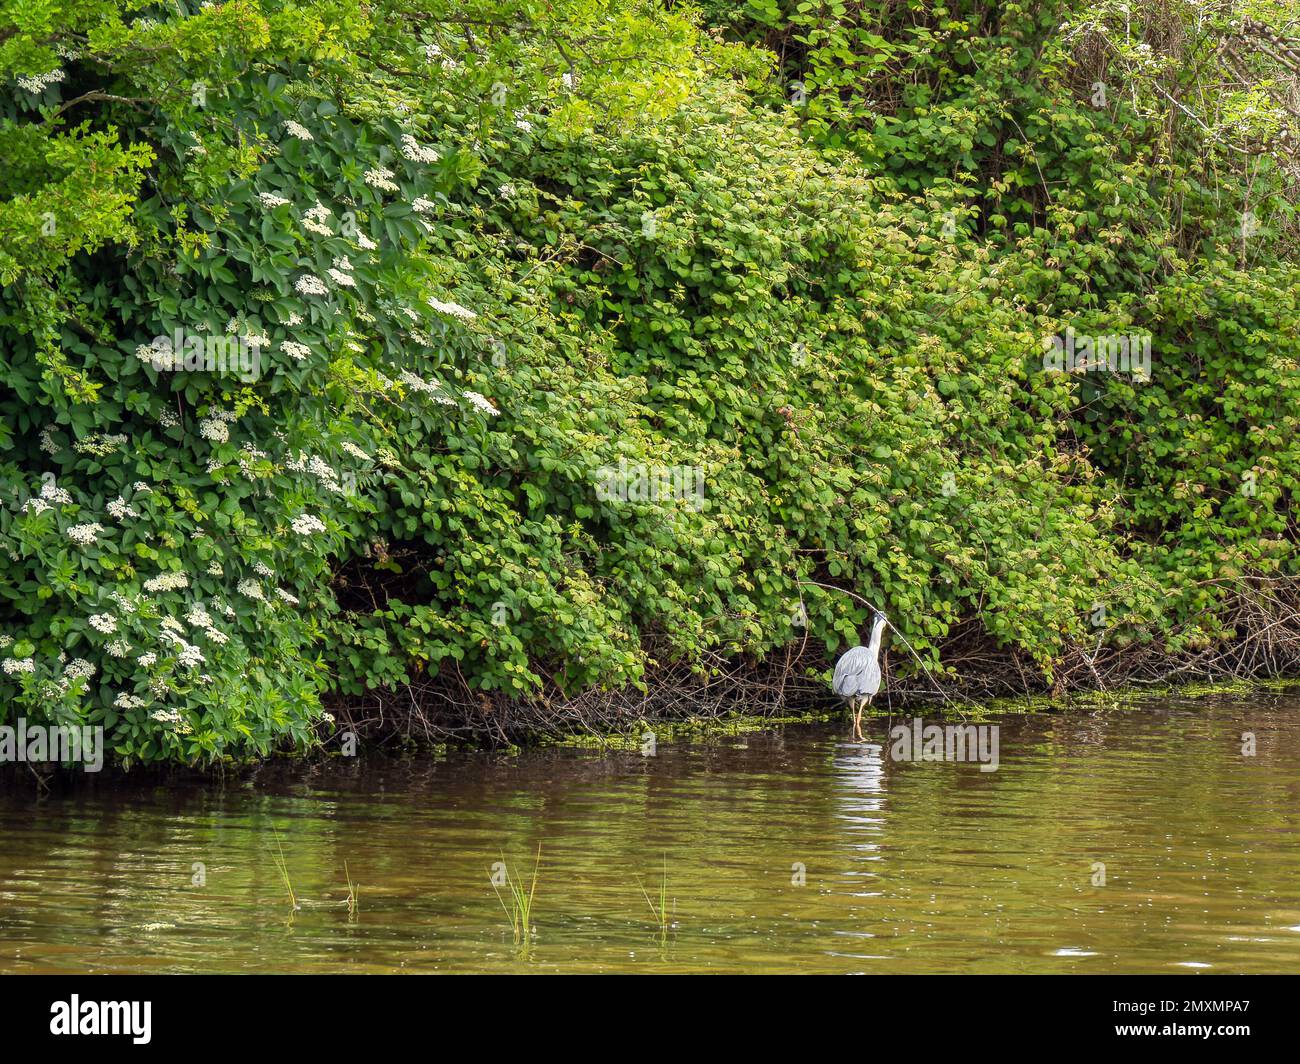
point(197, 616)
point(85, 535)
point(128, 701)
point(119, 648)
point(125, 604)
point(214, 429)
point(307, 525)
point(416, 152)
point(292, 600)
point(341, 272)
point(186, 653)
point(173, 717)
point(270, 200)
point(51, 494)
point(38, 83)
point(365, 243)
point(14, 665)
point(100, 445)
point(294, 129)
point(167, 582)
point(103, 622)
point(311, 285)
point(250, 589)
point(120, 510)
point(454, 309)
point(321, 470)
point(295, 350)
point(316, 221)
point(147, 660)
point(430, 388)
point(381, 178)
point(481, 403)
point(423, 206)
point(79, 669)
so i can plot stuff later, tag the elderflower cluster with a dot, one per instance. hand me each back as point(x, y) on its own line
point(270, 200)
point(311, 285)
point(431, 389)
point(120, 510)
point(307, 525)
point(79, 669)
point(481, 403)
point(167, 582)
point(316, 221)
point(214, 429)
point(417, 153)
point(454, 309)
point(294, 129)
point(38, 83)
point(381, 178)
point(295, 350)
point(85, 535)
point(340, 273)
point(103, 622)
point(100, 445)
point(15, 665)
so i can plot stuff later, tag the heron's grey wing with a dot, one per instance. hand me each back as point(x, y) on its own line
point(871, 678)
point(850, 672)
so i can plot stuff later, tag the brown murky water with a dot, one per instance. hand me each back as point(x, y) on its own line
point(908, 867)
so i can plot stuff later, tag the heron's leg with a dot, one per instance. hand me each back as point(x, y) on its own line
point(857, 719)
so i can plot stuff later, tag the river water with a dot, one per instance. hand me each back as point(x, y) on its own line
point(1133, 840)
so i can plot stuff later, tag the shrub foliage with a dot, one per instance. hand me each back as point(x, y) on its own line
point(532, 346)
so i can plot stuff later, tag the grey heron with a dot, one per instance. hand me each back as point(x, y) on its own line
point(857, 674)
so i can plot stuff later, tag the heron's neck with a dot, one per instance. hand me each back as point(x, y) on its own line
point(877, 630)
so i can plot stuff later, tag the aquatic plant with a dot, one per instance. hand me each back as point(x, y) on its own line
point(519, 911)
point(658, 909)
point(353, 901)
point(282, 867)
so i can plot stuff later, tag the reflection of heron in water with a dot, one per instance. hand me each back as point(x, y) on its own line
point(857, 674)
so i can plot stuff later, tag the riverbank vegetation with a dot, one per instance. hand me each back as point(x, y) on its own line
point(485, 370)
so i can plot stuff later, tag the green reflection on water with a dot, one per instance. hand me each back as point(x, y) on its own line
point(786, 851)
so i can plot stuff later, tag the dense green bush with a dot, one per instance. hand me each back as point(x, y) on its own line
point(487, 273)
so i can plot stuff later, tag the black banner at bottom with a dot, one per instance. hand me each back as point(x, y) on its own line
point(86, 1014)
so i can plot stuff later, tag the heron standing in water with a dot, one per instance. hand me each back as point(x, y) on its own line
point(857, 675)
